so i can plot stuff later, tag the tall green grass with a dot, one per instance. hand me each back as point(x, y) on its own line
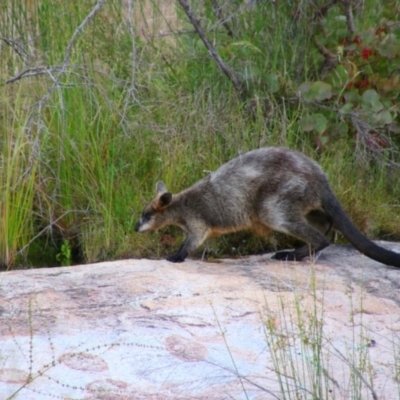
point(135, 98)
point(18, 166)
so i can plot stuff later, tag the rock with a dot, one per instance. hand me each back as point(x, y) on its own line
point(236, 329)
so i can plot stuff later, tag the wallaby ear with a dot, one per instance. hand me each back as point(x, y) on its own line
point(161, 188)
point(165, 200)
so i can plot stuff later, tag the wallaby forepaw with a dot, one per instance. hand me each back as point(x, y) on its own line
point(284, 256)
point(176, 258)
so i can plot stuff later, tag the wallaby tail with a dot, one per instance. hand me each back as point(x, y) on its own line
point(355, 237)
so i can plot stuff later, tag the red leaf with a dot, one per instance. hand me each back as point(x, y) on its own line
point(366, 53)
point(364, 83)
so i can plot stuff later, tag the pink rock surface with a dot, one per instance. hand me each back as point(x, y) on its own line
point(141, 329)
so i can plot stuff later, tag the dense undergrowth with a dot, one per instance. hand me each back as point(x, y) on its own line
point(100, 99)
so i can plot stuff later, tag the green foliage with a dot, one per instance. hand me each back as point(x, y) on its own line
point(92, 117)
point(64, 257)
point(314, 122)
point(315, 91)
point(360, 73)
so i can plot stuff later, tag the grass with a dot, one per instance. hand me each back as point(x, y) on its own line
point(19, 167)
point(319, 345)
point(310, 362)
point(302, 359)
point(131, 97)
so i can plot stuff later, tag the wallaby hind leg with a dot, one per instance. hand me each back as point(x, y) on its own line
point(319, 220)
point(302, 229)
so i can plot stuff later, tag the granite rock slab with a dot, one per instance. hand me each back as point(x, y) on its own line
point(151, 329)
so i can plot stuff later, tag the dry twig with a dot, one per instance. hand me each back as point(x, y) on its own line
point(218, 12)
point(349, 16)
point(18, 48)
point(331, 60)
point(221, 64)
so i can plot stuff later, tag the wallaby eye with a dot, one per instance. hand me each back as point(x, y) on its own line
point(146, 216)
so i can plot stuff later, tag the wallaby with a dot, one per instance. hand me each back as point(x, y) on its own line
point(266, 189)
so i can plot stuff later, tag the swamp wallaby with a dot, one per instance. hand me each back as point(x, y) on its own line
point(262, 190)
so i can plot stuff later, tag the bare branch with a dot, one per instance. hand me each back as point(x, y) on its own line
point(218, 12)
point(349, 16)
point(224, 68)
point(131, 89)
point(67, 55)
point(34, 71)
point(18, 48)
point(322, 11)
point(331, 60)
point(240, 10)
point(60, 71)
point(79, 29)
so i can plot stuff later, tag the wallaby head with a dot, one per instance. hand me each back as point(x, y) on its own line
point(153, 216)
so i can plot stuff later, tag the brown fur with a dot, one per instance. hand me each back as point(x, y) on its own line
point(262, 190)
